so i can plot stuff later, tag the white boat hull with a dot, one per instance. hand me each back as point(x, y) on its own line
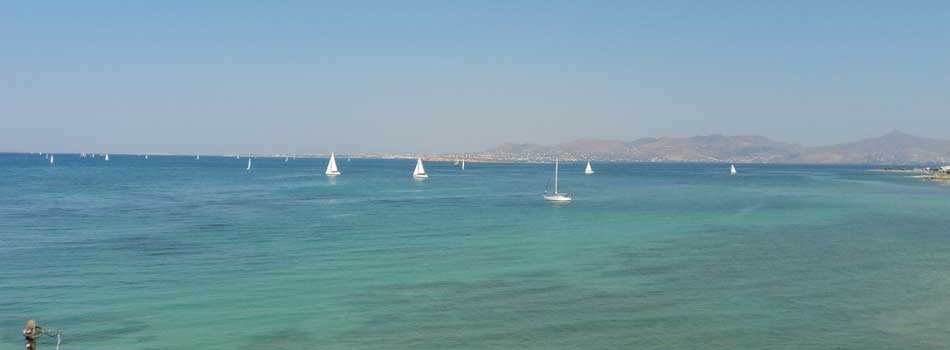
point(559, 197)
point(336, 173)
point(420, 176)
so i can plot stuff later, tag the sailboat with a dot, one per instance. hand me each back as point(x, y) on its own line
point(556, 196)
point(146, 156)
point(732, 169)
point(420, 171)
point(197, 157)
point(463, 164)
point(82, 155)
point(331, 166)
point(588, 170)
point(51, 159)
point(107, 157)
point(286, 159)
point(249, 164)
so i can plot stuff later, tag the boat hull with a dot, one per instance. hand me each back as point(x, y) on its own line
point(334, 173)
point(560, 197)
point(420, 176)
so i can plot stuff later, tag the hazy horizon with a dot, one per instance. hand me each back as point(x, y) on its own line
point(432, 77)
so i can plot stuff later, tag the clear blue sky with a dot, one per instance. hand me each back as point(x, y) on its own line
point(408, 76)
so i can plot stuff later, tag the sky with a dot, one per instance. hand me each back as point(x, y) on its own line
point(457, 76)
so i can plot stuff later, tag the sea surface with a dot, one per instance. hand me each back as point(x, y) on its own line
point(178, 253)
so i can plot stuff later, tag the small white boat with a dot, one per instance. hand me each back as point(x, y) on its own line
point(588, 170)
point(249, 164)
point(419, 172)
point(107, 157)
point(286, 159)
point(557, 196)
point(197, 157)
point(331, 166)
point(463, 164)
point(82, 155)
point(732, 169)
point(146, 156)
point(51, 159)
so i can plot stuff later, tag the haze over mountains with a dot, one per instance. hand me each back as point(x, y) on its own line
point(893, 148)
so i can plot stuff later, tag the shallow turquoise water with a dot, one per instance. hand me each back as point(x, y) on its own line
point(170, 252)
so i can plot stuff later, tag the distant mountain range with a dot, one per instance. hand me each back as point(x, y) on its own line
point(893, 148)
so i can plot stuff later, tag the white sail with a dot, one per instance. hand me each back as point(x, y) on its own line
point(732, 169)
point(463, 164)
point(420, 171)
point(557, 196)
point(331, 166)
point(197, 157)
point(146, 156)
point(286, 159)
point(51, 159)
point(107, 156)
point(249, 164)
point(588, 170)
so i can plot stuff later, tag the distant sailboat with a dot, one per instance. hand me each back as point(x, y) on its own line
point(82, 155)
point(237, 156)
point(51, 159)
point(463, 164)
point(286, 159)
point(197, 157)
point(588, 170)
point(249, 164)
point(146, 156)
point(420, 171)
point(331, 166)
point(556, 196)
point(732, 169)
point(107, 157)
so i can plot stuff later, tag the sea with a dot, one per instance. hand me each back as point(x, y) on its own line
point(177, 253)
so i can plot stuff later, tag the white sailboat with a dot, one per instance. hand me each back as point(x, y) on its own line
point(732, 169)
point(463, 164)
point(588, 170)
point(420, 171)
point(107, 157)
point(331, 166)
point(146, 156)
point(249, 164)
point(556, 196)
point(286, 159)
point(51, 159)
point(197, 157)
point(82, 155)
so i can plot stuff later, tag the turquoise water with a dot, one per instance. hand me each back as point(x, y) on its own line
point(171, 253)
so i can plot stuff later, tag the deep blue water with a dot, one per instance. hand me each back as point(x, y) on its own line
point(171, 253)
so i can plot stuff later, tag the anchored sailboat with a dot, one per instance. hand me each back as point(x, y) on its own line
point(588, 170)
point(331, 166)
point(732, 169)
point(463, 164)
point(556, 196)
point(420, 171)
point(107, 157)
point(249, 164)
